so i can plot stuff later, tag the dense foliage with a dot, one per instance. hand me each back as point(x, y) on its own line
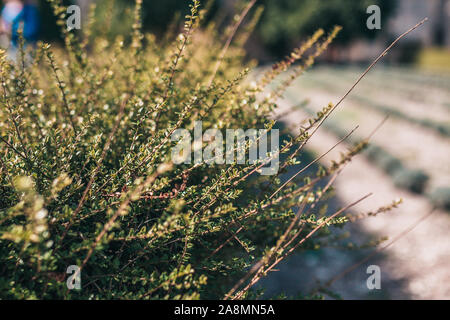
point(86, 176)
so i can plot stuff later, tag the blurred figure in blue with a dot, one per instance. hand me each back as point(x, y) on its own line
point(19, 15)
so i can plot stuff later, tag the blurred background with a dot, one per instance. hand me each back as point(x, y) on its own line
point(285, 23)
point(409, 156)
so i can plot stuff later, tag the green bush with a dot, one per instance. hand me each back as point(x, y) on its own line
point(414, 180)
point(87, 177)
point(441, 198)
point(384, 160)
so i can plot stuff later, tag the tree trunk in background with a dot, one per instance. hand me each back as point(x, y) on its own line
point(439, 30)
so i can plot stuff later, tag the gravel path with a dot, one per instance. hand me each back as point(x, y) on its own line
point(415, 146)
point(428, 98)
point(417, 265)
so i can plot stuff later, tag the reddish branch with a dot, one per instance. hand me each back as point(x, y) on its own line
point(151, 195)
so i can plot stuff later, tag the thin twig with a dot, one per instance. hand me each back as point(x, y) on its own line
point(343, 98)
point(375, 252)
point(230, 38)
point(91, 181)
point(260, 264)
point(366, 72)
point(314, 161)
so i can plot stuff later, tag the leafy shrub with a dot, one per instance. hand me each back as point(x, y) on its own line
point(87, 178)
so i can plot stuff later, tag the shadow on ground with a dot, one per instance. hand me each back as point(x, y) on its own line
point(303, 272)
